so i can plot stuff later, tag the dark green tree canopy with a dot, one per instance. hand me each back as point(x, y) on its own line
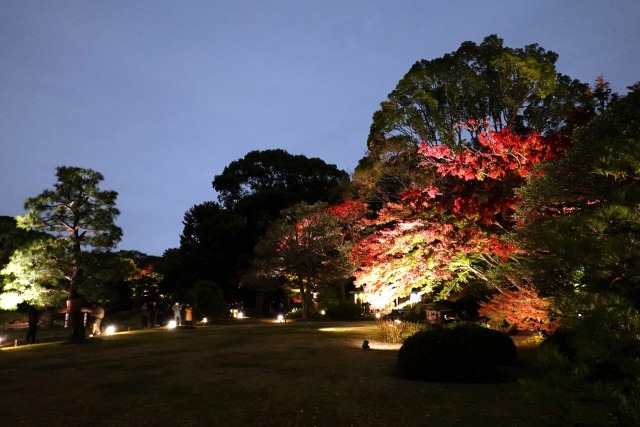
point(77, 222)
point(76, 210)
point(580, 215)
point(516, 88)
point(218, 237)
point(13, 237)
point(78, 214)
point(277, 172)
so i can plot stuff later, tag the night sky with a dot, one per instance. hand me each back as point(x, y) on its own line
point(159, 96)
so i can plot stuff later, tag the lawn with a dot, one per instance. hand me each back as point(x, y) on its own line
point(258, 374)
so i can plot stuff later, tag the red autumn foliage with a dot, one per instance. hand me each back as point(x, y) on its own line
point(463, 211)
point(499, 153)
point(143, 272)
point(522, 309)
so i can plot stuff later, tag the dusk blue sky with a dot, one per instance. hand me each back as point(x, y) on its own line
point(159, 96)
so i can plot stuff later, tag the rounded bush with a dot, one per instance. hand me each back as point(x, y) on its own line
point(498, 346)
point(461, 354)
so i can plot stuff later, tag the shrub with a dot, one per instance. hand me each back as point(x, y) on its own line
point(417, 313)
point(295, 313)
point(464, 353)
point(207, 300)
point(590, 368)
point(346, 311)
point(498, 346)
point(397, 333)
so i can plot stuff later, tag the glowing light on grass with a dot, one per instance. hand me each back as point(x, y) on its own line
point(378, 315)
point(240, 315)
point(172, 324)
point(357, 342)
point(323, 312)
point(111, 329)
point(280, 318)
point(204, 320)
point(343, 329)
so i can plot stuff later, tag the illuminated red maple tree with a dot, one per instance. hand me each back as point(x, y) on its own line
point(305, 249)
point(451, 229)
point(521, 309)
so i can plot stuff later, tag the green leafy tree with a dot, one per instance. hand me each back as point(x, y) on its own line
point(218, 237)
point(589, 370)
point(35, 275)
point(143, 281)
point(508, 88)
point(579, 218)
point(13, 237)
point(207, 300)
point(80, 218)
point(213, 245)
point(306, 250)
point(283, 176)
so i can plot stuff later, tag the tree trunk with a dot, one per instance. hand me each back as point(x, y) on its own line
point(343, 297)
point(303, 298)
point(259, 301)
point(76, 319)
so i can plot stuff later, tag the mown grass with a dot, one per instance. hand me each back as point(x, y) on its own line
point(292, 374)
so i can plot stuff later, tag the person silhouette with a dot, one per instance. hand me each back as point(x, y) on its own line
point(34, 318)
point(177, 308)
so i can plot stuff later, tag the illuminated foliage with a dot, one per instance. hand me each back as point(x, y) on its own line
point(479, 118)
point(218, 238)
point(145, 282)
point(305, 249)
point(510, 88)
point(80, 218)
point(77, 214)
point(521, 309)
point(34, 275)
point(452, 230)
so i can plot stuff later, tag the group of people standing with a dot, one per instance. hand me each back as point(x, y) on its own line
point(151, 312)
point(76, 319)
point(177, 314)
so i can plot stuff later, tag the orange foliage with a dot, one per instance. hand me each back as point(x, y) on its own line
point(522, 309)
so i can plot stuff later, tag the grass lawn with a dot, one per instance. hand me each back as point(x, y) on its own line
point(257, 374)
